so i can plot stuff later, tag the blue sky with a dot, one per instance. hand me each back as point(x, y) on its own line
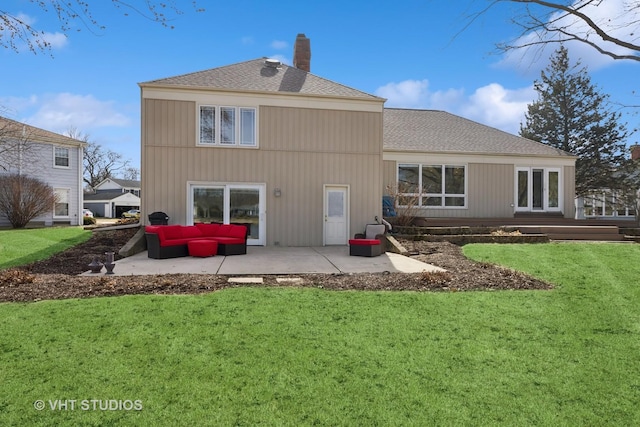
point(417, 54)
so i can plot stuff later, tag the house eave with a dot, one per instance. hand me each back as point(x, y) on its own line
point(209, 89)
point(456, 157)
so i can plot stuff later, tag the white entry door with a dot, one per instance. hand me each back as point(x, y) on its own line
point(336, 215)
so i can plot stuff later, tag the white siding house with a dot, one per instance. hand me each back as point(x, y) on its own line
point(50, 157)
point(112, 197)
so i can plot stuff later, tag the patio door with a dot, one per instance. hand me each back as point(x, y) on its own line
point(538, 189)
point(336, 214)
point(231, 204)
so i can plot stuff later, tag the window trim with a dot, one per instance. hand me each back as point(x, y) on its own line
point(55, 157)
point(443, 193)
point(545, 190)
point(237, 128)
point(226, 188)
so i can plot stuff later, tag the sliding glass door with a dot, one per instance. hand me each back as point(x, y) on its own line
point(231, 204)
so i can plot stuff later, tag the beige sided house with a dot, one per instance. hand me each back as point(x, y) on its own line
point(296, 157)
point(304, 161)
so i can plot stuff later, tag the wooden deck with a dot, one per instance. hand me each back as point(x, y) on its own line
point(555, 227)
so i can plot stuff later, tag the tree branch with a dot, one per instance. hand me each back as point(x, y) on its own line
point(544, 25)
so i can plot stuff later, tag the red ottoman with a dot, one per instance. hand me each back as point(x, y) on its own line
point(365, 247)
point(202, 248)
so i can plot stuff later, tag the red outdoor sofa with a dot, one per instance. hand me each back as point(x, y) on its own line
point(172, 241)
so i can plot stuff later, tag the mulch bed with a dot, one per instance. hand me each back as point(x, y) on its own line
point(57, 277)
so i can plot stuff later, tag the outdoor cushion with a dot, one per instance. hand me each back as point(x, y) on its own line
point(208, 230)
point(170, 231)
point(372, 230)
point(191, 232)
point(152, 229)
point(231, 230)
point(364, 242)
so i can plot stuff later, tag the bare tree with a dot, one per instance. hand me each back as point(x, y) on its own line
point(23, 198)
point(130, 173)
point(17, 29)
point(545, 22)
point(100, 164)
point(15, 145)
point(406, 203)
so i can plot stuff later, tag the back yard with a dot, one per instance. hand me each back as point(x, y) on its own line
point(303, 356)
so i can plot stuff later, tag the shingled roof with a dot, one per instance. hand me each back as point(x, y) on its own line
point(257, 75)
point(13, 129)
point(442, 132)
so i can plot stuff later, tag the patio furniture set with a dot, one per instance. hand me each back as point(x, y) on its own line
point(201, 240)
point(204, 240)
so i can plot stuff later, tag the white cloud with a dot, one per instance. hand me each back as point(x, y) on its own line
point(498, 107)
point(59, 112)
point(416, 94)
point(246, 40)
point(617, 17)
point(493, 104)
point(408, 93)
point(279, 44)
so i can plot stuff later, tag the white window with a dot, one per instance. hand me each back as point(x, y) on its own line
point(61, 207)
point(432, 186)
point(227, 126)
point(61, 157)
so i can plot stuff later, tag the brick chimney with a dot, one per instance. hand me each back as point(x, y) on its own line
point(302, 53)
point(635, 152)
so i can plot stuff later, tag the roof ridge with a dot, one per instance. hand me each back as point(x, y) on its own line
point(253, 75)
point(200, 71)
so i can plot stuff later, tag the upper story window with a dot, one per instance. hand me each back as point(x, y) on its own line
point(432, 186)
point(61, 157)
point(227, 126)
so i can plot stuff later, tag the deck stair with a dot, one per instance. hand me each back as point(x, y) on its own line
point(607, 233)
point(552, 226)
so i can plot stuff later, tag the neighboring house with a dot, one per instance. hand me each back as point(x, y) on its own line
point(121, 185)
point(52, 158)
point(112, 197)
point(304, 161)
point(608, 204)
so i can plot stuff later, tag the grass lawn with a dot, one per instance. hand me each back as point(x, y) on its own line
point(287, 356)
point(19, 247)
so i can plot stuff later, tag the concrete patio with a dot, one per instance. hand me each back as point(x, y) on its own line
point(261, 260)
